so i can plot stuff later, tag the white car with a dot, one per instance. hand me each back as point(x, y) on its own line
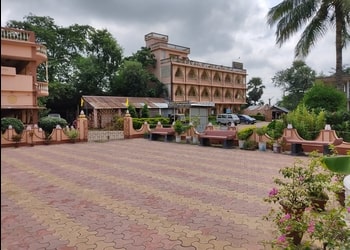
point(227, 119)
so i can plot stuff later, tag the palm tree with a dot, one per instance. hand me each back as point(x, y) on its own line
point(255, 90)
point(318, 16)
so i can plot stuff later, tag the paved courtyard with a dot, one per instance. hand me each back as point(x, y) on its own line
point(135, 194)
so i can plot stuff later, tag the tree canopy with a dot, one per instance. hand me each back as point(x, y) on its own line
point(255, 90)
point(294, 81)
point(88, 61)
point(324, 97)
point(317, 17)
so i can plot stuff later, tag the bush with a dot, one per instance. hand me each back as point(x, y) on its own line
point(307, 123)
point(16, 124)
point(49, 123)
point(275, 129)
point(245, 133)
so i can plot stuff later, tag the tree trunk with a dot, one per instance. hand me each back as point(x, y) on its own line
point(339, 44)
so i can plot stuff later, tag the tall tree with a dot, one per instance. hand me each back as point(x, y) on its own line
point(294, 81)
point(324, 97)
point(82, 57)
point(317, 16)
point(132, 80)
point(255, 90)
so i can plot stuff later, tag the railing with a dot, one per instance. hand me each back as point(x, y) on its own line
point(16, 34)
point(170, 46)
point(42, 88)
point(41, 49)
point(201, 64)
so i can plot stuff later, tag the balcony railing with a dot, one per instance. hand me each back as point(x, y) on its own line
point(202, 64)
point(16, 34)
point(42, 88)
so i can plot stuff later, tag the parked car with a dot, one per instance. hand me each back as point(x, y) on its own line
point(54, 115)
point(227, 119)
point(247, 119)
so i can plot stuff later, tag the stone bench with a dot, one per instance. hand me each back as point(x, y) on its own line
point(167, 133)
point(324, 140)
point(225, 137)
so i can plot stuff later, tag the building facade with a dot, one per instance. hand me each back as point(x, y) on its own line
point(192, 81)
point(21, 56)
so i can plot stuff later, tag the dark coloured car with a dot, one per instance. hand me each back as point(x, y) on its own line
point(247, 119)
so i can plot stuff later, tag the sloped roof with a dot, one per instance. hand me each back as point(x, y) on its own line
point(116, 102)
point(259, 108)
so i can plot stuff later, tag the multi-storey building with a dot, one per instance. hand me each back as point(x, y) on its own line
point(192, 81)
point(21, 56)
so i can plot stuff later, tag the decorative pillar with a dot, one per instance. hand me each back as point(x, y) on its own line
point(82, 126)
point(127, 125)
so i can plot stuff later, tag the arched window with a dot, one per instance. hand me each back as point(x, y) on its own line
point(178, 73)
point(217, 93)
point(205, 76)
point(192, 74)
point(239, 94)
point(179, 91)
point(228, 94)
point(217, 77)
point(228, 79)
point(192, 92)
point(238, 80)
point(205, 93)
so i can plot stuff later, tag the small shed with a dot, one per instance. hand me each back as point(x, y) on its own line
point(100, 110)
point(270, 112)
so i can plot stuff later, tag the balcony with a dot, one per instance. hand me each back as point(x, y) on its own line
point(42, 89)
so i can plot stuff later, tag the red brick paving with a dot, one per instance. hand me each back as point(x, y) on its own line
point(135, 194)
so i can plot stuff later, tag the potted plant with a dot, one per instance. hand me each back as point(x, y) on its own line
point(318, 181)
point(260, 131)
point(179, 129)
point(293, 198)
point(275, 131)
point(243, 135)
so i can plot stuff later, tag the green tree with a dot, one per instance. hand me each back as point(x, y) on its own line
point(132, 111)
point(143, 56)
point(324, 97)
point(294, 82)
point(317, 16)
point(308, 123)
point(145, 111)
point(255, 90)
point(84, 60)
point(131, 81)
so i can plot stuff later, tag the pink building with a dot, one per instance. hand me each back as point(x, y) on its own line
point(21, 57)
point(193, 81)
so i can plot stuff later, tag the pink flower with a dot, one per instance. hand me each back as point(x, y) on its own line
point(273, 192)
point(348, 210)
point(285, 217)
point(282, 239)
point(311, 227)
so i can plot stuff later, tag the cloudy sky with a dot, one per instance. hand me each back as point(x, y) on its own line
point(217, 32)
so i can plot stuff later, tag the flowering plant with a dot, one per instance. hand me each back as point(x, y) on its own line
point(295, 218)
point(292, 192)
point(330, 228)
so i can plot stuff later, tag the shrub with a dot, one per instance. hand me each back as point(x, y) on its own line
point(72, 133)
point(307, 123)
point(245, 133)
point(275, 129)
point(49, 123)
point(250, 145)
point(16, 124)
